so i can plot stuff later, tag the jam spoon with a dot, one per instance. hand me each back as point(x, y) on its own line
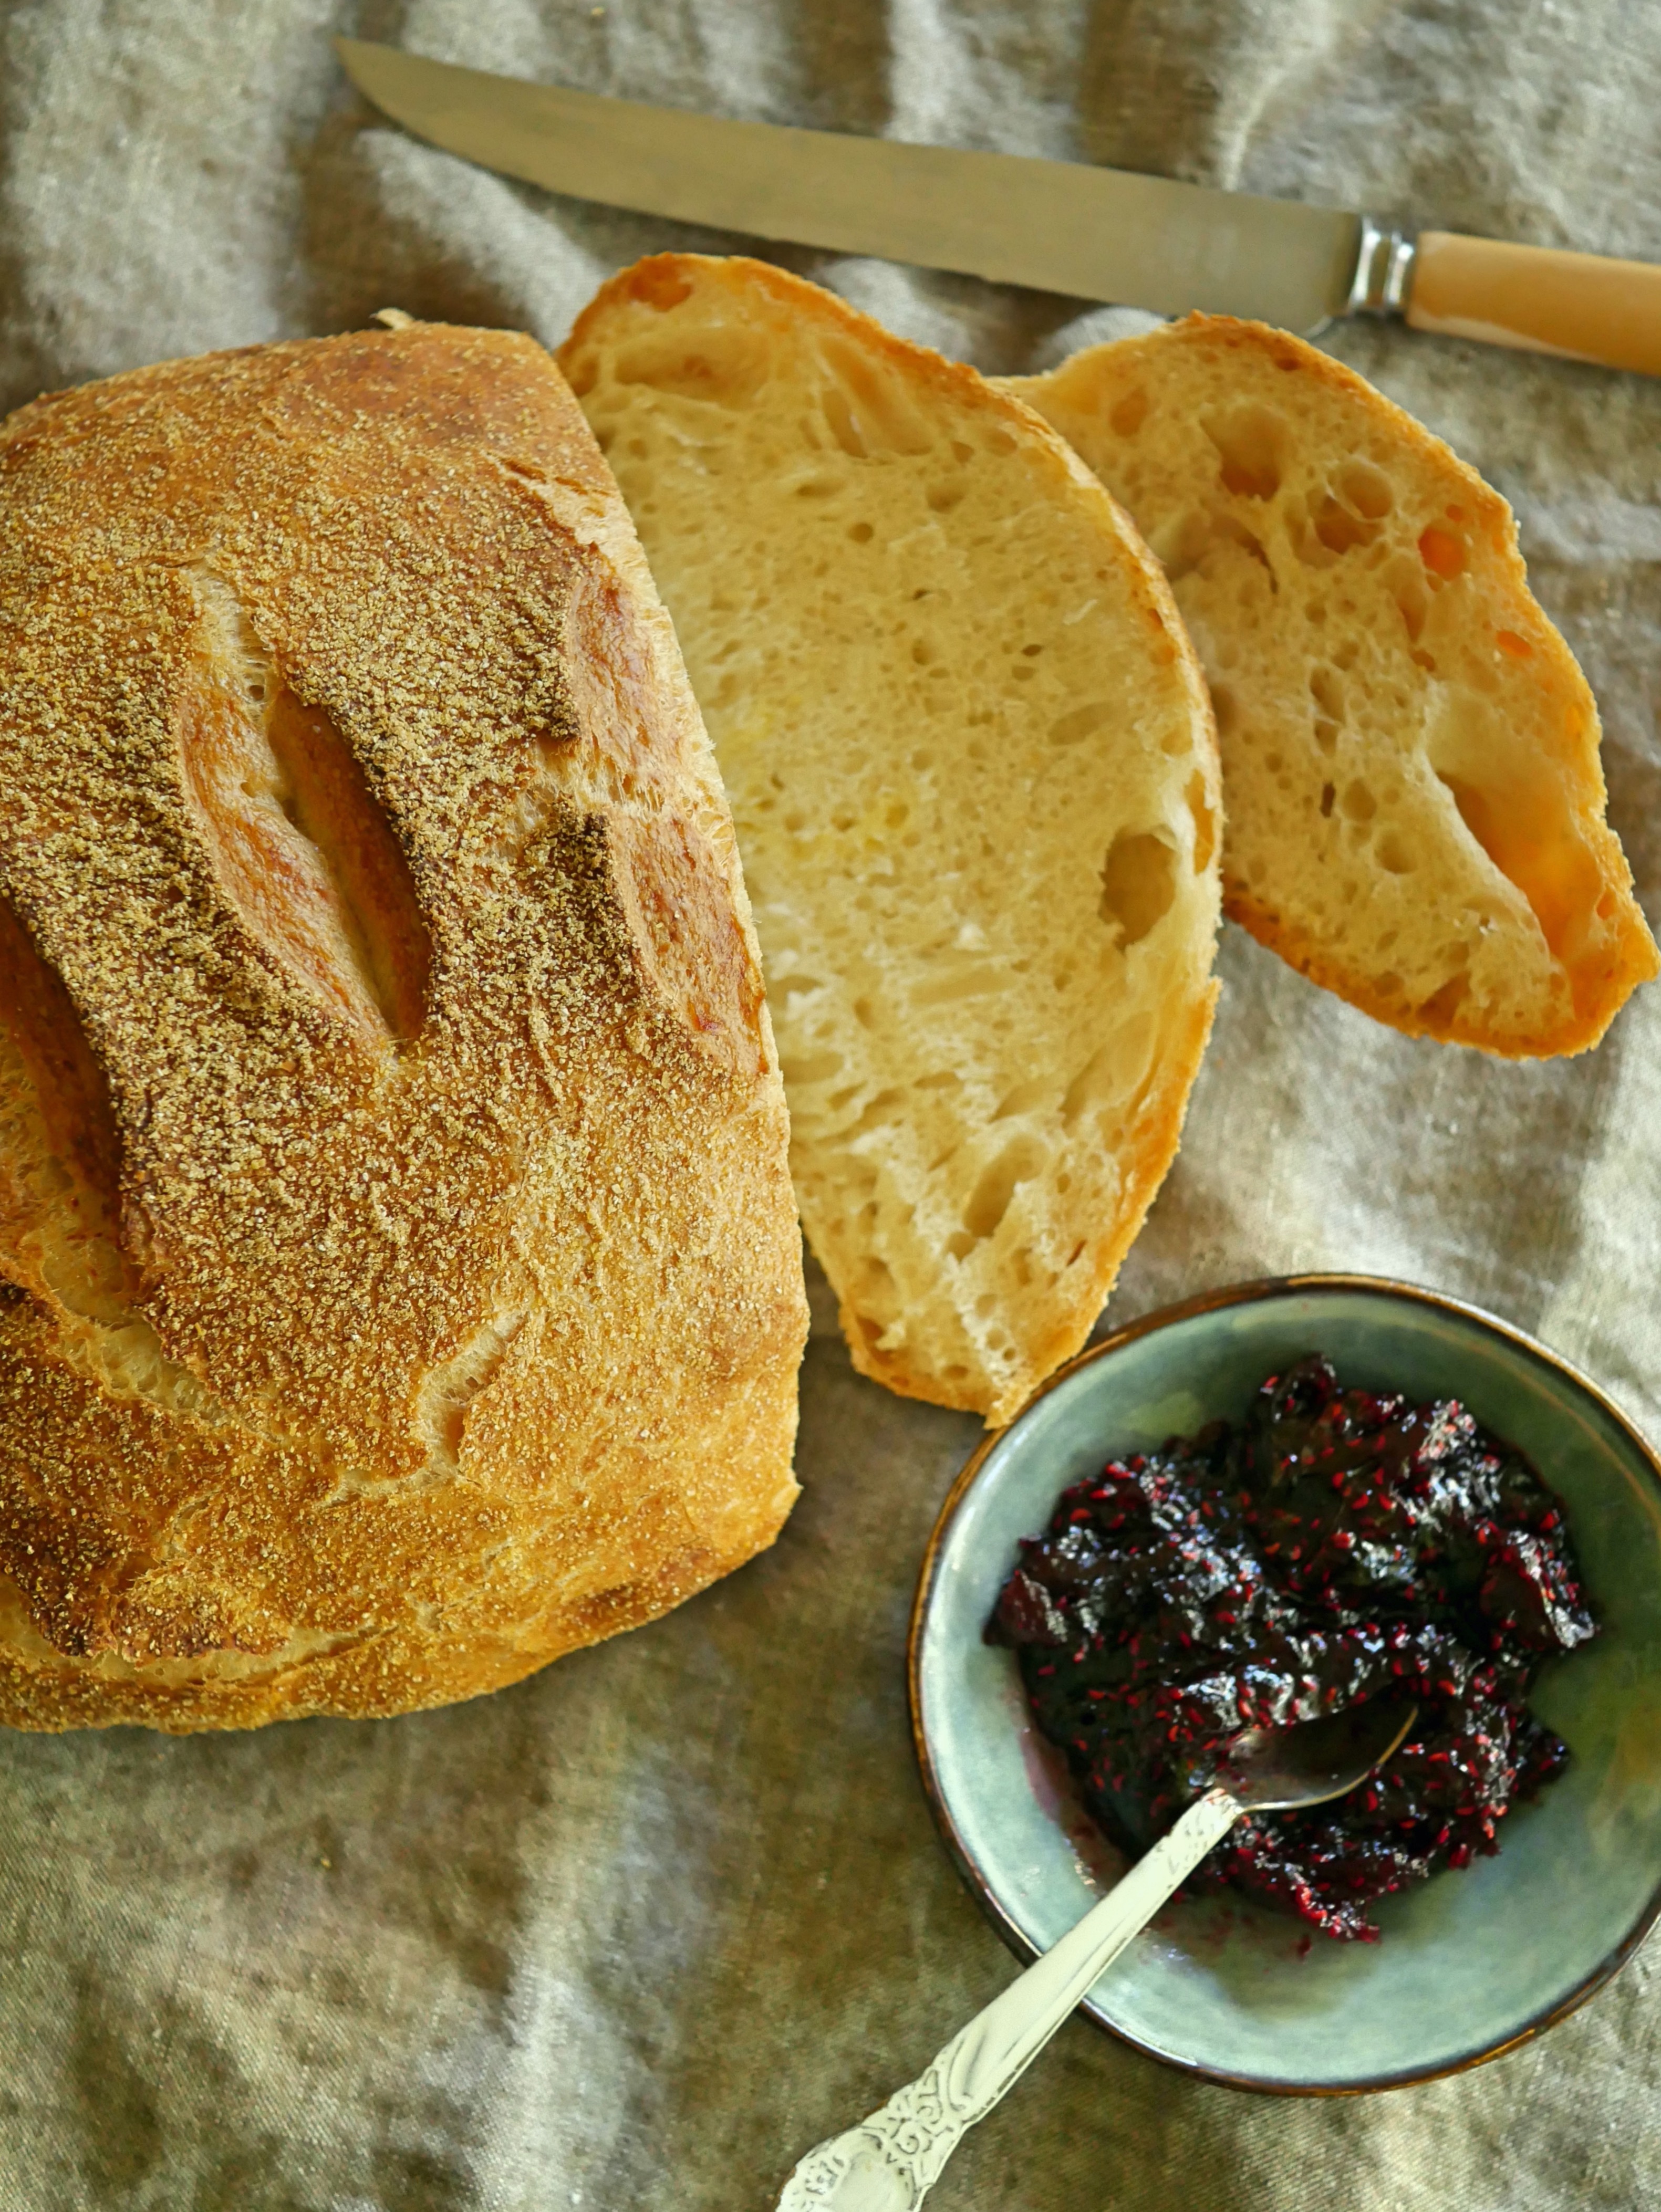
point(889, 2162)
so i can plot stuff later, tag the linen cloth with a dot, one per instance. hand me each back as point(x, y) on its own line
point(639, 1931)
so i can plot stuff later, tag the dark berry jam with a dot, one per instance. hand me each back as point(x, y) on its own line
point(1331, 1546)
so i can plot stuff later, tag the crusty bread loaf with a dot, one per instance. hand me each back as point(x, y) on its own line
point(402, 1283)
point(1410, 767)
point(975, 781)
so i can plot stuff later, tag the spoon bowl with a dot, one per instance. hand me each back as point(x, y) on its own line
point(1282, 1770)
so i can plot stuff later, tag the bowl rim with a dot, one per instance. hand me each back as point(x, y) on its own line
point(1261, 1289)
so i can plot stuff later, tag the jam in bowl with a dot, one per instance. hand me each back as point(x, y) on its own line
point(1497, 1559)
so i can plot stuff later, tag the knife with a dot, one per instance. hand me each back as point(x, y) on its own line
point(1067, 227)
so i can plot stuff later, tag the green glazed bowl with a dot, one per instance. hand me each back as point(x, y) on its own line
point(1471, 1963)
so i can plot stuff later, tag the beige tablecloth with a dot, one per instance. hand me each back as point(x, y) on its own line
point(637, 1932)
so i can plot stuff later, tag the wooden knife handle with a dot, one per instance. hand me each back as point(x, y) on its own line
point(1581, 305)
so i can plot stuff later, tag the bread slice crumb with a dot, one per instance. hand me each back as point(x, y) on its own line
point(975, 782)
point(1410, 751)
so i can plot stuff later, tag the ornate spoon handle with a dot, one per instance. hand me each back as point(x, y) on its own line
point(890, 2161)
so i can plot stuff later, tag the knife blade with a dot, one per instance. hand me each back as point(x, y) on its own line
point(1067, 227)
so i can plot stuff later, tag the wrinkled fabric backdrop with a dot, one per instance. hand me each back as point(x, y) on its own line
point(639, 1931)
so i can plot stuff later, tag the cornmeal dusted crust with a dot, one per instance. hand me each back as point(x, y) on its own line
point(402, 1284)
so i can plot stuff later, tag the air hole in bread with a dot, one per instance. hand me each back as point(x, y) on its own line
point(1205, 822)
point(1139, 881)
point(1023, 1098)
point(1018, 1163)
point(1515, 647)
point(1251, 442)
point(1393, 853)
point(657, 283)
point(726, 368)
point(60, 1152)
point(1528, 842)
point(1441, 553)
point(887, 1106)
point(1443, 1004)
point(295, 838)
point(1359, 803)
point(868, 412)
point(1367, 489)
point(1202, 540)
point(1328, 794)
point(1080, 722)
point(1339, 529)
point(1118, 1071)
point(1405, 582)
point(1305, 537)
point(1327, 691)
point(1129, 414)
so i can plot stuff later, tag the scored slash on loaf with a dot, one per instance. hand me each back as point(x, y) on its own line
point(973, 771)
point(401, 1278)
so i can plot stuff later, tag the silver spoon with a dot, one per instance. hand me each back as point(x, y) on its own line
point(890, 2161)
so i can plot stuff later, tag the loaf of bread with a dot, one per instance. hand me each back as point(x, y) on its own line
point(971, 764)
point(401, 1278)
point(1410, 753)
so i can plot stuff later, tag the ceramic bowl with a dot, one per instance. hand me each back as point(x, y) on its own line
point(1471, 1963)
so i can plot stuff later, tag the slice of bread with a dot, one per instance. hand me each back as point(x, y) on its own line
point(1416, 805)
point(975, 782)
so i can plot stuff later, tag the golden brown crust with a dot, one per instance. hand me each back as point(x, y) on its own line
point(427, 1300)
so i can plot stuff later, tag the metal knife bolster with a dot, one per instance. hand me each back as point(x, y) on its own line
point(1383, 272)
